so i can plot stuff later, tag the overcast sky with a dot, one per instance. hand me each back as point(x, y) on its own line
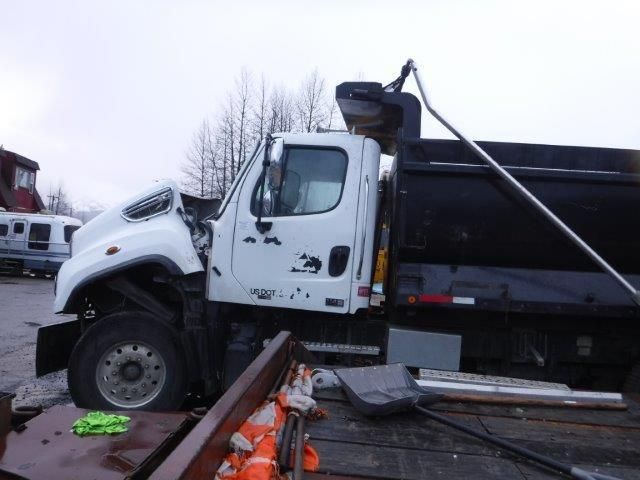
point(105, 95)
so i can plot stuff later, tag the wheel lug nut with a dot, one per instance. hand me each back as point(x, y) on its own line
point(116, 383)
point(135, 390)
point(114, 373)
point(146, 366)
point(128, 359)
point(143, 385)
point(118, 364)
point(124, 389)
point(148, 376)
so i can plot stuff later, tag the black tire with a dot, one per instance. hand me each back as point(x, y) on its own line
point(632, 382)
point(127, 329)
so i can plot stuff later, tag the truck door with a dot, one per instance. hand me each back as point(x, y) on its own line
point(305, 260)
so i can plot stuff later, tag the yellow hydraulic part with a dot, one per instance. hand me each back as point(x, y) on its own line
point(381, 266)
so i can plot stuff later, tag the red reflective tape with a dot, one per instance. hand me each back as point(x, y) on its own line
point(363, 291)
point(436, 298)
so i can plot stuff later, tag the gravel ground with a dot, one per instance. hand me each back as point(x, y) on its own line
point(26, 304)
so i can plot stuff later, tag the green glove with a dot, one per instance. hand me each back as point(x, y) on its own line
point(98, 423)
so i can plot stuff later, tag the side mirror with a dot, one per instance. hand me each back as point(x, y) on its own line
point(275, 152)
point(274, 171)
point(271, 171)
point(267, 203)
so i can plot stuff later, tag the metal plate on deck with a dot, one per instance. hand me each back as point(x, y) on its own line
point(475, 379)
point(419, 348)
point(342, 348)
point(48, 450)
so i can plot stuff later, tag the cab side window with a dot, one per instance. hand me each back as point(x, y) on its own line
point(312, 182)
point(39, 234)
point(18, 227)
point(4, 230)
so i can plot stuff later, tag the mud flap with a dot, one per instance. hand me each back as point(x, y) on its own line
point(55, 343)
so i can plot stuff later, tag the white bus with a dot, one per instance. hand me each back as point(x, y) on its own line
point(34, 242)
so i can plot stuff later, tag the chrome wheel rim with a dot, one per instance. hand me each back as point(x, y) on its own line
point(130, 374)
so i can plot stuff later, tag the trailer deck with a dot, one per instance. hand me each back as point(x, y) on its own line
point(410, 446)
point(350, 446)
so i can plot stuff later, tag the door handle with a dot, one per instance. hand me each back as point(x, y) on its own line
point(338, 260)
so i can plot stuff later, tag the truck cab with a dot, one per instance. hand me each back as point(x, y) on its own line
point(295, 234)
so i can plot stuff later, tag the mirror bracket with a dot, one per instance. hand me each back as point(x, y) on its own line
point(263, 227)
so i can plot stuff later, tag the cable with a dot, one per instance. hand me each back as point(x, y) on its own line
point(525, 452)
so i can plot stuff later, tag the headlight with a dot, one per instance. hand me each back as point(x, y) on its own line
point(155, 204)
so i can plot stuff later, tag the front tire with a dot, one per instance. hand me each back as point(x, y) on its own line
point(128, 361)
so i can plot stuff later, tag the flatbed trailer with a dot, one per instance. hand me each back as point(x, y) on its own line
point(406, 445)
point(352, 446)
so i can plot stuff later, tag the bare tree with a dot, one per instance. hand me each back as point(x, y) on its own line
point(230, 124)
point(197, 168)
point(215, 186)
point(218, 150)
point(224, 144)
point(221, 177)
point(242, 101)
point(226, 149)
point(59, 202)
point(261, 110)
point(282, 112)
point(334, 121)
point(311, 102)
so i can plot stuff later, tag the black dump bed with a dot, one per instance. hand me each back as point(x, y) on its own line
point(456, 212)
point(457, 230)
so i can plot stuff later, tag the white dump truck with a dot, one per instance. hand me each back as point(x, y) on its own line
point(503, 258)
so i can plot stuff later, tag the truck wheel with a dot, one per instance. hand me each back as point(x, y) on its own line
point(128, 360)
point(632, 382)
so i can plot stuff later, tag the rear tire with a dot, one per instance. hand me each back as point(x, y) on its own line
point(128, 361)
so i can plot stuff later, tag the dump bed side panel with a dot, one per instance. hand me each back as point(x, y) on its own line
point(450, 211)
